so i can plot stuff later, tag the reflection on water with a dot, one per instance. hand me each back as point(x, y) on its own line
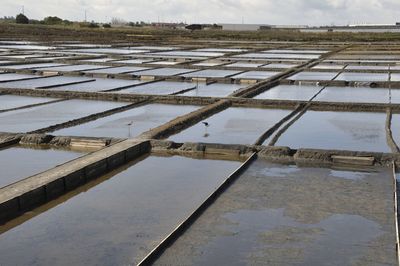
point(118, 221)
point(289, 215)
point(338, 130)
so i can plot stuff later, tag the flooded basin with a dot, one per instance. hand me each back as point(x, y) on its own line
point(99, 84)
point(396, 128)
point(290, 92)
point(211, 73)
point(116, 70)
point(14, 76)
point(239, 64)
point(19, 162)
point(31, 66)
point(233, 126)
point(348, 76)
point(313, 76)
point(117, 219)
point(44, 82)
point(256, 75)
point(165, 63)
point(129, 123)
point(288, 215)
point(358, 95)
point(329, 66)
point(73, 68)
point(161, 88)
point(164, 72)
point(30, 119)
point(337, 131)
point(189, 53)
point(361, 67)
point(279, 65)
point(12, 101)
point(214, 90)
point(133, 61)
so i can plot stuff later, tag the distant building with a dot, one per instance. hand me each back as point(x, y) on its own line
point(356, 28)
point(256, 27)
point(243, 27)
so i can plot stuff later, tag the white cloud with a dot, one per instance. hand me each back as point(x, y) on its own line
point(311, 12)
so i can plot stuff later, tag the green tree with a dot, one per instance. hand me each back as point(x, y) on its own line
point(22, 19)
point(52, 20)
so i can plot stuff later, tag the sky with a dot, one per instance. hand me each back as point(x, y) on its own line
point(276, 12)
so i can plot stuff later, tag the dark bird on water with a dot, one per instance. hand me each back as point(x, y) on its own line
point(206, 124)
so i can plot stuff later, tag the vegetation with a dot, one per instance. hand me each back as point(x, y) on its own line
point(21, 19)
point(93, 32)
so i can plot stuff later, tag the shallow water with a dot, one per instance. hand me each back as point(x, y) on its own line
point(35, 118)
point(43, 82)
point(313, 76)
point(12, 101)
point(160, 88)
point(286, 215)
point(290, 92)
point(213, 90)
point(256, 75)
point(211, 73)
point(337, 130)
point(234, 126)
point(99, 84)
point(142, 119)
point(19, 162)
point(118, 221)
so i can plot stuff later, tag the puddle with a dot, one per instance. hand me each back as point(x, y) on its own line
point(347, 76)
point(233, 126)
point(357, 95)
point(26, 120)
point(214, 90)
point(339, 131)
point(19, 162)
point(44, 82)
point(116, 70)
point(129, 123)
point(12, 101)
point(313, 76)
point(304, 217)
point(256, 75)
point(99, 84)
point(290, 92)
point(211, 73)
point(160, 88)
point(118, 221)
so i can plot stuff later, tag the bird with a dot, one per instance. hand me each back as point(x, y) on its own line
point(130, 123)
point(206, 124)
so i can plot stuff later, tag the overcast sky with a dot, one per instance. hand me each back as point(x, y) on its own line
point(303, 12)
